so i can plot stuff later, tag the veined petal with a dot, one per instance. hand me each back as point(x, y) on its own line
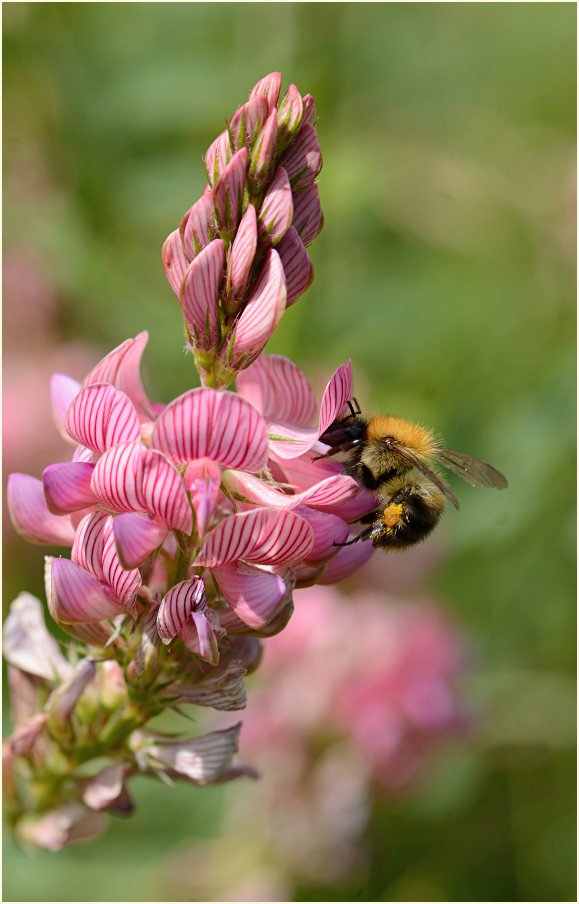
point(116, 479)
point(200, 294)
point(217, 157)
point(326, 496)
point(30, 515)
point(27, 643)
point(87, 549)
point(303, 160)
point(67, 486)
point(264, 536)
point(202, 479)
point(297, 266)
point(198, 231)
point(308, 217)
point(228, 193)
point(78, 597)
point(204, 423)
point(136, 536)
point(277, 208)
point(346, 562)
point(242, 253)
point(177, 606)
point(328, 530)
point(203, 760)
point(254, 595)
point(101, 417)
point(121, 368)
point(163, 493)
point(262, 313)
point(309, 106)
point(199, 635)
point(270, 86)
point(63, 389)
point(174, 260)
point(277, 388)
point(225, 691)
point(123, 582)
point(289, 114)
point(263, 153)
point(248, 120)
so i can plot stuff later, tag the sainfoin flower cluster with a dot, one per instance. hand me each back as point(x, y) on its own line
point(189, 524)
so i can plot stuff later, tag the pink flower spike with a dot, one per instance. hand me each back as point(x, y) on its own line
point(347, 560)
point(198, 231)
point(308, 218)
point(263, 154)
point(121, 368)
point(204, 423)
point(309, 109)
point(31, 516)
point(254, 595)
point(217, 157)
point(247, 121)
point(265, 536)
point(174, 260)
point(303, 160)
point(101, 417)
point(228, 194)
point(136, 536)
point(261, 314)
point(77, 597)
point(277, 388)
point(200, 295)
point(277, 208)
point(242, 254)
point(202, 479)
point(67, 486)
point(289, 115)
point(270, 85)
point(297, 266)
point(63, 389)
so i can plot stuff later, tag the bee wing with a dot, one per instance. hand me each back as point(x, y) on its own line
point(477, 473)
point(405, 452)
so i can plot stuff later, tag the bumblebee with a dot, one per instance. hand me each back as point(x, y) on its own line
point(396, 458)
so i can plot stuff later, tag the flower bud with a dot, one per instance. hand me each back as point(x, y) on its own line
point(289, 116)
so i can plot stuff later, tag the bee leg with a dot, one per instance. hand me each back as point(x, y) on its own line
point(365, 535)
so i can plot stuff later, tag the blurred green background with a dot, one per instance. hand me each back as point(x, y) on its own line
point(445, 270)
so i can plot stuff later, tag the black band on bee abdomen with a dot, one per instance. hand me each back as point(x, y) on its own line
point(417, 520)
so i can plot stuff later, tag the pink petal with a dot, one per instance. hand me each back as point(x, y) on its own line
point(102, 790)
point(277, 208)
point(308, 218)
point(200, 295)
point(78, 597)
point(101, 416)
point(263, 153)
point(326, 496)
point(346, 562)
point(270, 86)
point(277, 388)
point(67, 486)
point(174, 260)
point(204, 423)
point(30, 515)
point(217, 157)
point(255, 596)
point(203, 760)
point(297, 266)
point(198, 231)
point(265, 536)
point(242, 253)
point(228, 193)
point(136, 536)
point(202, 479)
point(87, 550)
point(303, 160)
point(247, 120)
point(116, 479)
point(290, 114)
point(309, 109)
point(328, 530)
point(121, 368)
point(199, 636)
point(27, 644)
point(177, 606)
point(225, 691)
point(262, 312)
point(123, 582)
point(62, 702)
point(63, 389)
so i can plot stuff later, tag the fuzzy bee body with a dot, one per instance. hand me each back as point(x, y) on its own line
point(394, 457)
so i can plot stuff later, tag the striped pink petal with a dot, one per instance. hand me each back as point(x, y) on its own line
point(31, 516)
point(265, 536)
point(225, 691)
point(136, 536)
point(289, 114)
point(63, 389)
point(346, 562)
point(247, 121)
point(200, 294)
point(328, 530)
point(202, 760)
point(175, 262)
point(270, 86)
point(263, 153)
point(123, 582)
point(177, 606)
point(101, 417)
point(78, 597)
point(303, 160)
point(87, 549)
point(130, 478)
point(198, 230)
point(297, 266)
point(255, 596)
point(199, 635)
point(277, 388)
point(67, 486)
point(228, 193)
point(94, 551)
point(308, 217)
point(309, 106)
point(242, 253)
point(277, 208)
point(261, 314)
point(337, 393)
point(221, 426)
point(121, 368)
point(202, 479)
point(217, 157)
point(327, 496)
